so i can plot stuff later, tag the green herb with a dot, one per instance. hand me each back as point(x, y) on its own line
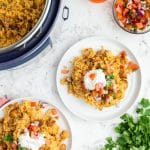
point(135, 30)
point(21, 148)
point(109, 80)
point(132, 134)
point(8, 138)
point(110, 76)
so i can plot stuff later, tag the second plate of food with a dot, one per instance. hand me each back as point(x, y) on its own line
point(33, 124)
point(98, 79)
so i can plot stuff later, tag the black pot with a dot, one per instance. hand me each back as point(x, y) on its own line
point(37, 44)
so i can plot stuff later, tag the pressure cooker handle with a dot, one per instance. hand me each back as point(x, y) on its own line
point(65, 13)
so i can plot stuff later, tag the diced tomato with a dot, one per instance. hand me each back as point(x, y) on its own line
point(83, 85)
point(147, 14)
point(123, 54)
point(120, 2)
point(144, 20)
point(139, 6)
point(94, 93)
point(33, 128)
point(54, 111)
point(119, 9)
point(98, 87)
point(119, 16)
point(134, 6)
point(128, 26)
point(107, 99)
point(133, 66)
point(64, 71)
point(122, 67)
point(137, 1)
point(101, 91)
point(139, 25)
point(124, 21)
point(13, 146)
point(123, 75)
point(92, 76)
point(126, 10)
point(33, 104)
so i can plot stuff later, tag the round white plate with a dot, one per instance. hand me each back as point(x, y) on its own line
point(78, 106)
point(62, 122)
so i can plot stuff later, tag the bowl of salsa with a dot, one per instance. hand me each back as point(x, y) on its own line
point(132, 15)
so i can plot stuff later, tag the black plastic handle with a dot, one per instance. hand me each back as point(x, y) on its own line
point(65, 14)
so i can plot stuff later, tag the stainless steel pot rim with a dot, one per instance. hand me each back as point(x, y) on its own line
point(34, 30)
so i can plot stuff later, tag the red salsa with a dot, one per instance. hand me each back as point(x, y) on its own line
point(133, 15)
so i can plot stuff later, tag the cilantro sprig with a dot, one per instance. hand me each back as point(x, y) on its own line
point(132, 134)
point(8, 138)
point(21, 148)
point(110, 78)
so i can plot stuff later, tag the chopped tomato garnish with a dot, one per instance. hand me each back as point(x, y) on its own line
point(98, 87)
point(126, 10)
point(33, 104)
point(107, 99)
point(33, 128)
point(120, 2)
point(137, 1)
point(122, 67)
point(133, 66)
point(119, 9)
point(101, 91)
point(54, 111)
point(139, 5)
point(13, 146)
point(123, 54)
point(92, 76)
point(139, 25)
point(124, 21)
point(94, 93)
point(147, 14)
point(64, 71)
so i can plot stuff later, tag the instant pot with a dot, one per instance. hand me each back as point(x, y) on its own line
point(36, 40)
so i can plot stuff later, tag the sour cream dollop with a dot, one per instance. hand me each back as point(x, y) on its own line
point(34, 144)
point(94, 77)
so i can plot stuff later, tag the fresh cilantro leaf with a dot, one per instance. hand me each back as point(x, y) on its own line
point(8, 138)
point(110, 76)
point(109, 80)
point(132, 134)
point(145, 102)
point(21, 148)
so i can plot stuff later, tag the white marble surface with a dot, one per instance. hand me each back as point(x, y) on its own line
point(37, 77)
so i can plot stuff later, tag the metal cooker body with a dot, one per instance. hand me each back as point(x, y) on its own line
point(38, 42)
point(34, 31)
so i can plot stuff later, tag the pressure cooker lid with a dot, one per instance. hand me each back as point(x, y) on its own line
point(35, 45)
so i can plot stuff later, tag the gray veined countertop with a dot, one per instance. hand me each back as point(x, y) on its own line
point(37, 77)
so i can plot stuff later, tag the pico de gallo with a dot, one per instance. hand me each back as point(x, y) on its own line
point(133, 15)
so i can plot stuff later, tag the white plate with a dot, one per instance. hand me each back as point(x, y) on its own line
point(62, 122)
point(78, 106)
